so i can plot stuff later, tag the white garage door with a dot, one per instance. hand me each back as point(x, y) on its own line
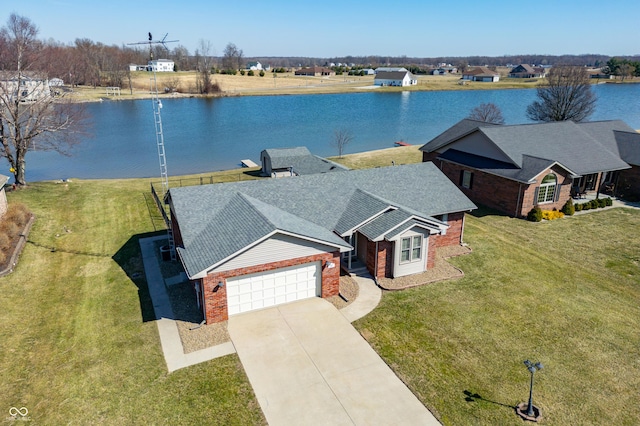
point(262, 290)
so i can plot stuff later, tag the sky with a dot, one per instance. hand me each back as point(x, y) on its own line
point(330, 28)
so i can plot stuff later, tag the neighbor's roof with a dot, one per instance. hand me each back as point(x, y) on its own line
point(581, 148)
point(392, 75)
point(218, 221)
point(301, 160)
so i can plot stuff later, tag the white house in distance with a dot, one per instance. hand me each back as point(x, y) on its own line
point(161, 65)
point(254, 66)
point(395, 78)
point(27, 87)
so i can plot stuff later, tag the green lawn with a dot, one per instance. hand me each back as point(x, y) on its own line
point(76, 336)
point(78, 344)
point(564, 293)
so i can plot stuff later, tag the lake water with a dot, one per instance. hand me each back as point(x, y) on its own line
point(203, 135)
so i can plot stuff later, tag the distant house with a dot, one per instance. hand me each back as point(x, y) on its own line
point(527, 71)
point(254, 66)
point(395, 78)
point(369, 71)
point(56, 82)
point(26, 87)
point(517, 167)
point(250, 245)
point(135, 67)
point(444, 70)
point(315, 71)
point(161, 65)
point(281, 162)
point(483, 74)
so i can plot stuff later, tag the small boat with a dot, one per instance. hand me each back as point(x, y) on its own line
point(401, 143)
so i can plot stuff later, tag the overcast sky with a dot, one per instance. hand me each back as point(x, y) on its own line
point(330, 28)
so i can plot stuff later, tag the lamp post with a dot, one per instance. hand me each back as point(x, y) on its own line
point(532, 369)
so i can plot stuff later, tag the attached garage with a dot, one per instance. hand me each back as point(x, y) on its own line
point(261, 290)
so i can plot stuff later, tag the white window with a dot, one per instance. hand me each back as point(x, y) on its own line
point(547, 189)
point(411, 249)
point(466, 178)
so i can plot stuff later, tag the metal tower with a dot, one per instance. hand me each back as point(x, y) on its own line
point(157, 119)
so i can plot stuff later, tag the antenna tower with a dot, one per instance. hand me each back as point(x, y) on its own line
point(157, 118)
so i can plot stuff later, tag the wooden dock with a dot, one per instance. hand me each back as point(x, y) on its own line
point(248, 163)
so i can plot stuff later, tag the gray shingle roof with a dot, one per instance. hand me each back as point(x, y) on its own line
point(218, 220)
point(582, 148)
point(301, 160)
point(616, 136)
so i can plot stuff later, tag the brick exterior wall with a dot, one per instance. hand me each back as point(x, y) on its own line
point(454, 233)
point(175, 228)
point(507, 196)
point(431, 252)
point(384, 257)
point(216, 297)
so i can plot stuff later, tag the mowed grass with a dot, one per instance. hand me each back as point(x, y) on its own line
point(79, 344)
point(565, 293)
point(77, 336)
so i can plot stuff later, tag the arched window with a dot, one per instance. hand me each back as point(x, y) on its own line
point(547, 189)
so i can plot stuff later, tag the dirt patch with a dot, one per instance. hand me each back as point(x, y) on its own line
point(442, 270)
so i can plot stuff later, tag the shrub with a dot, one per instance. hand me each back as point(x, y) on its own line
point(568, 208)
point(608, 201)
point(593, 204)
point(5, 242)
point(534, 215)
point(10, 229)
point(578, 207)
point(242, 72)
point(261, 73)
point(602, 203)
point(551, 214)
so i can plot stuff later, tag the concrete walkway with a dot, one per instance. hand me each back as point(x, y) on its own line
point(308, 365)
point(167, 328)
point(369, 295)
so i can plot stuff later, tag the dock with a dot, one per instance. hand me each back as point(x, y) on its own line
point(248, 163)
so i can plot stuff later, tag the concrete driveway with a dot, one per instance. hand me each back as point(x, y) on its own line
point(308, 365)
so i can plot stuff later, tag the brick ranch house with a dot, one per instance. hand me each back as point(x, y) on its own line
point(513, 168)
point(253, 244)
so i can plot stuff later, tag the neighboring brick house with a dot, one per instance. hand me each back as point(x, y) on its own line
point(315, 72)
point(249, 245)
point(514, 168)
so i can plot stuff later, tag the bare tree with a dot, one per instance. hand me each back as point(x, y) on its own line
point(488, 112)
point(203, 55)
point(566, 96)
point(341, 138)
point(30, 118)
point(232, 57)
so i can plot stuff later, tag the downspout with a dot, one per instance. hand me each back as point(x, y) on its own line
point(518, 207)
point(464, 218)
point(375, 267)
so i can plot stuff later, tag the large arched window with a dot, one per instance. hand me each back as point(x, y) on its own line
point(547, 189)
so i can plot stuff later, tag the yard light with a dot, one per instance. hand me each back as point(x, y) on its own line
point(532, 413)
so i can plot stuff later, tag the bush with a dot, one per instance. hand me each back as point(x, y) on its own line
point(602, 203)
point(242, 72)
point(578, 207)
point(552, 214)
point(261, 73)
point(251, 73)
point(5, 242)
point(593, 204)
point(608, 201)
point(534, 215)
point(568, 208)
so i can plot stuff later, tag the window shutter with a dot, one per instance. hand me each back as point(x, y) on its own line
point(461, 178)
point(470, 180)
point(535, 196)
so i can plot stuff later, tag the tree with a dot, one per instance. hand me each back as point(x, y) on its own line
point(566, 96)
point(30, 117)
point(204, 84)
point(341, 138)
point(489, 113)
point(232, 58)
